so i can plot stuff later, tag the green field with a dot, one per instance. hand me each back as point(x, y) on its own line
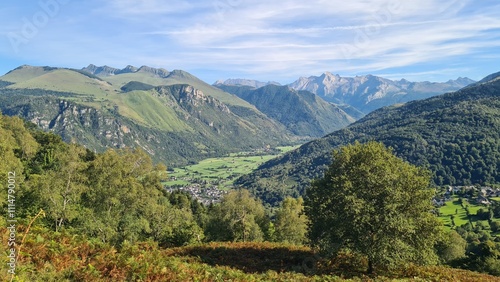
point(454, 208)
point(221, 172)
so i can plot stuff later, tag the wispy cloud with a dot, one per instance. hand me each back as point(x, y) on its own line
point(278, 40)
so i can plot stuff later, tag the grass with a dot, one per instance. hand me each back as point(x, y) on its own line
point(64, 80)
point(454, 208)
point(150, 110)
point(23, 74)
point(223, 171)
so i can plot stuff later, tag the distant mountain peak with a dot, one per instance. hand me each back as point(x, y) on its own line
point(369, 92)
point(129, 68)
point(107, 70)
point(245, 82)
point(159, 72)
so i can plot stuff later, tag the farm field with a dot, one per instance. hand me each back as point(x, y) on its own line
point(459, 213)
point(453, 208)
point(220, 172)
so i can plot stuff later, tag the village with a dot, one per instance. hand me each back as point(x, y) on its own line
point(479, 195)
point(204, 194)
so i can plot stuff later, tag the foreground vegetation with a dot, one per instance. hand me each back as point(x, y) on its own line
point(76, 215)
point(51, 256)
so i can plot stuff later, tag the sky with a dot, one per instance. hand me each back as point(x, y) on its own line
point(432, 40)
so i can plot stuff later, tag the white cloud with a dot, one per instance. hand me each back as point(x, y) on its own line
point(271, 38)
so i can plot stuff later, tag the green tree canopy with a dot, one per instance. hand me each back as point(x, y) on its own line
point(239, 217)
point(291, 222)
point(375, 204)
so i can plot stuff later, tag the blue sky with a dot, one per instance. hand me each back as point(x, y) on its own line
point(282, 40)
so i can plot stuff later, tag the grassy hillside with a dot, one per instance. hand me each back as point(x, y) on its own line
point(455, 135)
point(175, 123)
point(177, 77)
point(150, 110)
point(25, 72)
point(64, 80)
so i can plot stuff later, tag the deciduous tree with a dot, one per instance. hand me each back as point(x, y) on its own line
point(291, 222)
point(375, 204)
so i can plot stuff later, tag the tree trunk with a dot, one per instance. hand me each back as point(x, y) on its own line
point(370, 266)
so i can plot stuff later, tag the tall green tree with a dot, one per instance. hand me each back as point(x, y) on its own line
point(60, 189)
point(451, 247)
point(291, 222)
point(374, 204)
point(239, 217)
point(124, 184)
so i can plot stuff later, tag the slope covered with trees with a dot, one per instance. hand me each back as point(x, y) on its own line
point(455, 135)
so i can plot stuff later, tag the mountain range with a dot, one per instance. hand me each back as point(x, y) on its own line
point(455, 135)
point(302, 112)
point(173, 115)
point(364, 93)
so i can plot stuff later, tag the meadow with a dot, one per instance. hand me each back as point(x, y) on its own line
point(459, 213)
point(223, 171)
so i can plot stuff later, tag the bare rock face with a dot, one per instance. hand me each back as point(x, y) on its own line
point(107, 71)
point(196, 97)
point(370, 92)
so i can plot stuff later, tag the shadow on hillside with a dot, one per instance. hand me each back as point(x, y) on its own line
point(253, 258)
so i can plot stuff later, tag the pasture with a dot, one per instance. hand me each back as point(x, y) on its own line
point(220, 172)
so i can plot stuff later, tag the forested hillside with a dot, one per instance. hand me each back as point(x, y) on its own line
point(455, 135)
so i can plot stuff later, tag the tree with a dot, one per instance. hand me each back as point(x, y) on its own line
point(124, 185)
point(291, 222)
point(60, 189)
point(239, 217)
point(494, 226)
point(451, 247)
point(375, 204)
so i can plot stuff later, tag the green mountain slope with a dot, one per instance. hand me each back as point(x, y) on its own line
point(175, 123)
point(25, 72)
point(158, 77)
point(455, 135)
point(302, 112)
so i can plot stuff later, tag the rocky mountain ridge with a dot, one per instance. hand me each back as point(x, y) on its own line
point(370, 92)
